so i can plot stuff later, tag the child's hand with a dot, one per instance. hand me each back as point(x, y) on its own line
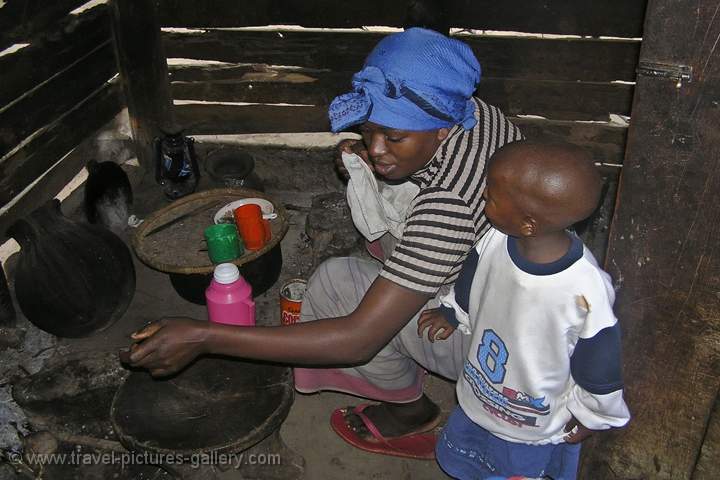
point(576, 431)
point(440, 328)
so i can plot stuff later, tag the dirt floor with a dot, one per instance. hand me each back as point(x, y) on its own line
point(306, 430)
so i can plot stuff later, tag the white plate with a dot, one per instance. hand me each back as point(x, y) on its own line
point(267, 208)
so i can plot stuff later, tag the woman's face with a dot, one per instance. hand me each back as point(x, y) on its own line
point(397, 154)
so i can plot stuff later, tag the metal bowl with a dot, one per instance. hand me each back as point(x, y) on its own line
point(232, 168)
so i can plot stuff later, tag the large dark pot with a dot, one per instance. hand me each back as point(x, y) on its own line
point(72, 279)
point(261, 274)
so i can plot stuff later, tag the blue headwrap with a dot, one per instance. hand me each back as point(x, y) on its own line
point(414, 80)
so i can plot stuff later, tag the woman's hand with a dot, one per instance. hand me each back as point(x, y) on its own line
point(350, 145)
point(167, 346)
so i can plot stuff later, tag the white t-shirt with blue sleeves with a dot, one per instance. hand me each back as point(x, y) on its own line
point(545, 346)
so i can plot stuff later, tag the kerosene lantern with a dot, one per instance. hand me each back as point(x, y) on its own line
point(176, 167)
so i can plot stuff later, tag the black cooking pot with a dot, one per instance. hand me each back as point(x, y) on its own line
point(261, 274)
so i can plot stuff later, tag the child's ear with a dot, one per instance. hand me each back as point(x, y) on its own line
point(528, 227)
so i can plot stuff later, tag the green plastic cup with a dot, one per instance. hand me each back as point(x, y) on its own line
point(223, 243)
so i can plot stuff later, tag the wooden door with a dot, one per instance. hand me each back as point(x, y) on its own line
point(663, 253)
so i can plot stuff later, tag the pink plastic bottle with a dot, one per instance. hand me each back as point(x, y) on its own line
point(229, 297)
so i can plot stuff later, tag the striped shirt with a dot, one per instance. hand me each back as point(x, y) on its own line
point(447, 217)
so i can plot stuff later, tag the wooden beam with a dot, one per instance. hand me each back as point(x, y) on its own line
point(20, 20)
point(617, 18)
point(143, 70)
point(664, 254)
point(604, 141)
point(199, 119)
point(549, 99)
point(53, 51)
point(542, 59)
point(44, 150)
point(43, 105)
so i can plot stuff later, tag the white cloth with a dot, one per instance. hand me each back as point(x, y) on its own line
point(376, 207)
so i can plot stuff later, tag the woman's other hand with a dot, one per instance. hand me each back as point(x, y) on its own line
point(350, 145)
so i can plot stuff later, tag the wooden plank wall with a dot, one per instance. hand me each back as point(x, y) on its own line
point(664, 249)
point(282, 79)
point(54, 93)
point(322, 64)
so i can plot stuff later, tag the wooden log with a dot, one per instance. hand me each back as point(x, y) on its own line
point(199, 119)
point(143, 70)
point(22, 19)
point(617, 18)
point(53, 51)
point(604, 141)
point(549, 99)
point(43, 152)
point(509, 57)
point(664, 253)
point(43, 105)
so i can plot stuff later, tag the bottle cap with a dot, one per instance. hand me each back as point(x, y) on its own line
point(226, 273)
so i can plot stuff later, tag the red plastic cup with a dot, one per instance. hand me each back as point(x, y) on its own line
point(253, 228)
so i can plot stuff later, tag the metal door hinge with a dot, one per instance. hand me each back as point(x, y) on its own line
point(679, 73)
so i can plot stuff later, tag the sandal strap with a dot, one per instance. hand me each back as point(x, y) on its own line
point(368, 423)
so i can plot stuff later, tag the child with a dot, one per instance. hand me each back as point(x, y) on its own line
point(543, 370)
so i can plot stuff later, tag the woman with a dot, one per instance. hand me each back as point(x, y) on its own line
point(419, 123)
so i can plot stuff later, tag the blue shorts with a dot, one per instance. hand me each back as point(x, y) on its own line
point(467, 451)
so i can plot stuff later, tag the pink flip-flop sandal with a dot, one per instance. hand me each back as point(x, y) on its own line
point(419, 444)
point(375, 250)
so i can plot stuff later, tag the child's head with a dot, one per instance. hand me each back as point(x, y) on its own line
point(534, 189)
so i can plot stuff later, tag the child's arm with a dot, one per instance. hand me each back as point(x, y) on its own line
point(596, 401)
point(440, 325)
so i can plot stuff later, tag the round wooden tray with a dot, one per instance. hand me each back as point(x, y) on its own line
point(181, 248)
